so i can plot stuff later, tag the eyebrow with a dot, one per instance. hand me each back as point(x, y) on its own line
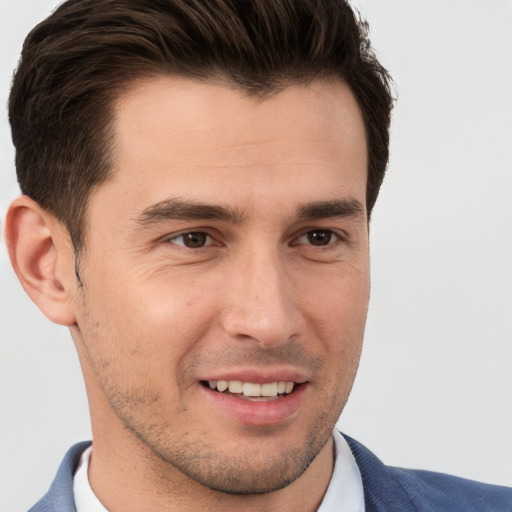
point(178, 209)
point(328, 209)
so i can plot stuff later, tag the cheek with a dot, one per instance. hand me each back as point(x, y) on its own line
point(144, 328)
point(337, 315)
point(337, 309)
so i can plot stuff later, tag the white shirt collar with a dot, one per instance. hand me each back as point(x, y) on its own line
point(85, 499)
point(345, 491)
point(344, 494)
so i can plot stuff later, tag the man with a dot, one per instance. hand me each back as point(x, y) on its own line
point(198, 183)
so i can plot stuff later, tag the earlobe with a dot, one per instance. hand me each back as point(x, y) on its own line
point(42, 258)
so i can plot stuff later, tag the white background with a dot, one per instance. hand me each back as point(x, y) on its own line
point(434, 388)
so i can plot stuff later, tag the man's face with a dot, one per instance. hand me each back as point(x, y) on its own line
point(230, 248)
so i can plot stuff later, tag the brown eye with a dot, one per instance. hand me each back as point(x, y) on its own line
point(193, 239)
point(319, 237)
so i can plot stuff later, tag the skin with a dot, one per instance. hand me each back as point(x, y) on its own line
point(258, 295)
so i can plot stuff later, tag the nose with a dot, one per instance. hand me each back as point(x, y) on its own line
point(260, 300)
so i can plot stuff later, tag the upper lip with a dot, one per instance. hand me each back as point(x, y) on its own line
point(261, 375)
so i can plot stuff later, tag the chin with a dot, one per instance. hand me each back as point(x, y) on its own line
point(247, 477)
point(249, 471)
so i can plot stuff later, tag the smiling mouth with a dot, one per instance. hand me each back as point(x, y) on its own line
point(251, 391)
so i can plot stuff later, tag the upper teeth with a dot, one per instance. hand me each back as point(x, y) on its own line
point(252, 389)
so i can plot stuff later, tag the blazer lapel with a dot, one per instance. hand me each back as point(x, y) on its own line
point(60, 496)
point(382, 492)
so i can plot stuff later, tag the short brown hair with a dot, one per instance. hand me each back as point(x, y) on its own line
point(76, 62)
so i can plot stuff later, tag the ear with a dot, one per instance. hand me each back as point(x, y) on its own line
point(43, 259)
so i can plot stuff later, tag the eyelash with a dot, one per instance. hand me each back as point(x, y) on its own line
point(335, 237)
point(184, 234)
point(338, 237)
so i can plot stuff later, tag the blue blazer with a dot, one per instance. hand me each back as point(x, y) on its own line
point(386, 489)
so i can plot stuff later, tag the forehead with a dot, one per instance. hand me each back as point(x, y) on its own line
point(178, 136)
point(223, 115)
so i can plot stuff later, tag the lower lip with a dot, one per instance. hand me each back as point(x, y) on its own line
point(246, 412)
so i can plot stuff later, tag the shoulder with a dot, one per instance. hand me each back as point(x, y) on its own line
point(452, 492)
point(59, 497)
point(396, 489)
